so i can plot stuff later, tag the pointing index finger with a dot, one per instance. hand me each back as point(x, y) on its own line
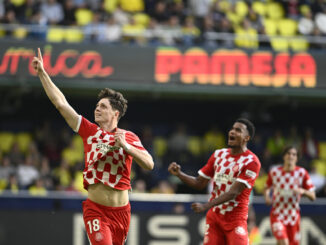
point(39, 54)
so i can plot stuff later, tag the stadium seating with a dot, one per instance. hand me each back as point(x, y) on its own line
point(6, 141)
point(55, 35)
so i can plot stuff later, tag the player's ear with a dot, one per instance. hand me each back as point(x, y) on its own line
point(247, 138)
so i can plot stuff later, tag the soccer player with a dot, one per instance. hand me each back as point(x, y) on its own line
point(288, 182)
point(109, 151)
point(234, 171)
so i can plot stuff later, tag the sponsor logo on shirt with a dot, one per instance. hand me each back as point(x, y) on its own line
point(250, 174)
point(284, 192)
point(223, 178)
point(104, 148)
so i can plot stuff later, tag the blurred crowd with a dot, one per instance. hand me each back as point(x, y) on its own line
point(168, 22)
point(52, 159)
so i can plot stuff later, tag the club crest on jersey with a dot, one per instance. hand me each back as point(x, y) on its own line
point(240, 230)
point(250, 174)
point(98, 236)
point(235, 168)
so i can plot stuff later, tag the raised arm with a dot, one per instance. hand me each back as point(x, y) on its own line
point(197, 183)
point(54, 94)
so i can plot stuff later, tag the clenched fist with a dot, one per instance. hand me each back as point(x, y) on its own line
point(174, 168)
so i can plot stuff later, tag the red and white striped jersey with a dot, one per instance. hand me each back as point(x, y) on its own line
point(104, 162)
point(285, 202)
point(225, 169)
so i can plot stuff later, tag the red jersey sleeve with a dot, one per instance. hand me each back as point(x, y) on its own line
point(249, 173)
point(208, 170)
point(307, 183)
point(269, 181)
point(132, 139)
point(85, 128)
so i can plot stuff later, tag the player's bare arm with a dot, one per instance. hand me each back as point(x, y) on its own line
point(54, 94)
point(143, 158)
point(198, 183)
point(234, 191)
point(267, 195)
point(309, 194)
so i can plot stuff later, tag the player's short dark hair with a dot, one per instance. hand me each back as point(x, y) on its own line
point(250, 126)
point(117, 101)
point(288, 148)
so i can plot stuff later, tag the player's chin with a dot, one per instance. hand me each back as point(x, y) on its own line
point(231, 145)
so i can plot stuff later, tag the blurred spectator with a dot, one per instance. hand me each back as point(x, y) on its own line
point(37, 189)
point(34, 153)
point(134, 32)
point(62, 175)
point(27, 173)
point(292, 9)
point(9, 18)
point(96, 30)
point(139, 186)
point(12, 185)
point(306, 24)
point(317, 179)
point(69, 11)
point(255, 20)
point(40, 20)
point(225, 26)
point(213, 139)
point(275, 145)
point(199, 9)
point(52, 11)
point(246, 35)
point(178, 142)
point(112, 30)
point(208, 28)
point(45, 173)
point(30, 8)
point(160, 13)
point(309, 146)
point(294, 139)
point(172, 31)
point(163, 187)
point(15, 156)
point(260, 182)
point(121, 17)
point(257, 146)
point(318, 6)
point(190, 32)
point(178, 9)
point(6, 169)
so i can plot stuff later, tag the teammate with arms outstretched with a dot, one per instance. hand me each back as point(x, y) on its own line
point(109, 151)
point(234, 171)
point(288, 182)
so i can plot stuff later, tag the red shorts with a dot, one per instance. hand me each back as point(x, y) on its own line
point(106, 225)
point(222, 232)
point(282, 232)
